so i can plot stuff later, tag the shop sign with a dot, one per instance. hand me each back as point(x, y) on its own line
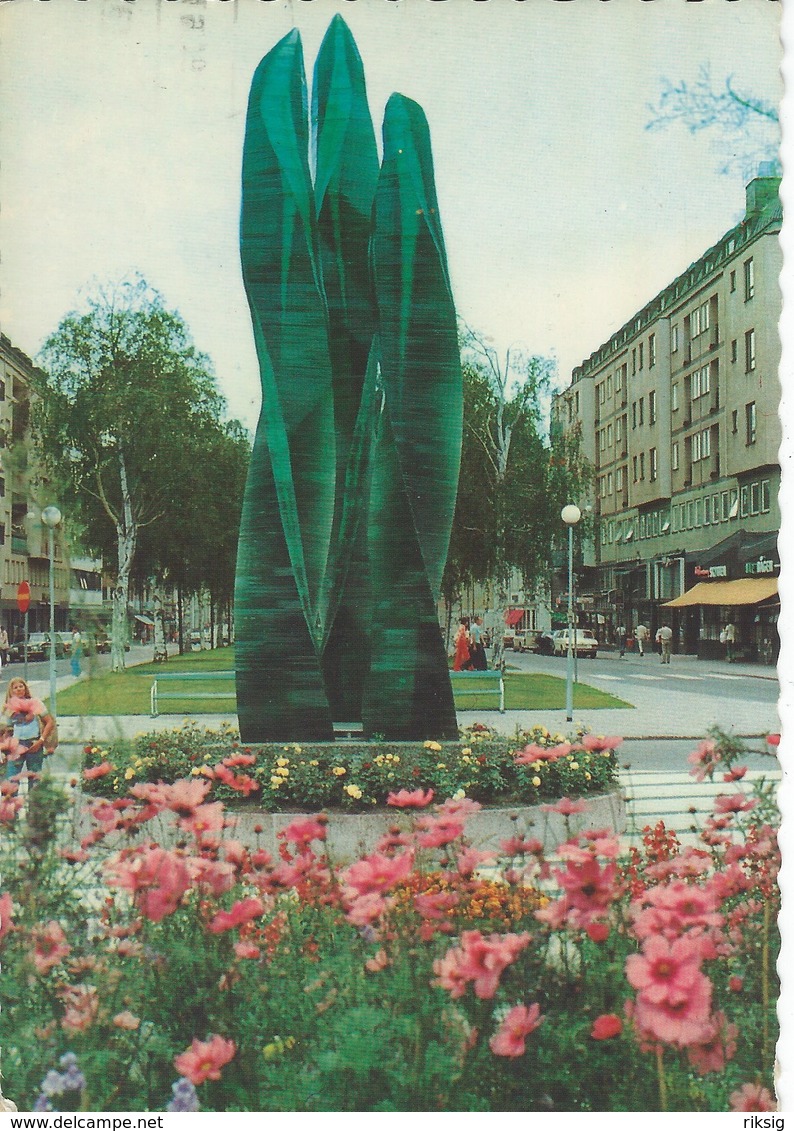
point(711, 571)
point(763, 565)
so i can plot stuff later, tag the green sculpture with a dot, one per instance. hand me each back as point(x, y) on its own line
point(352, 484)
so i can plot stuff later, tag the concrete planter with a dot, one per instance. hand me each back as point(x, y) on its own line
point(351, 835)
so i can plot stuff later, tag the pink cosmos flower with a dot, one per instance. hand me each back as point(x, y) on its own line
point(589, 887)
point(458, 808)
point(241, 783)
point(719, 1046)
point(665, 971)
point(363, 910)
point(522, 846)
point(126, 1020)
point(605, 1027)
point(772, 740)
point(438, 831)
point(378, 962)
point(377, 873)
point(470, 859)
point(239, 760)
point(410, 799)
point(215, 876)
point(243, 911)
point(204, 819)
point(483, 960)
point(598, 932)
point(205, 1059)
point(534, 753)
point(435, 905)
point(566, 807)
point(6, 914)
point(302, 833)
point(82, 1006)
point(734, 803)
point(704, 759)
point(752, 1097)
point(510, 1037)
point(9, 807)
point(736, 774)
point(246, 950)
point(596, 743)
point(49, 946)
point(98, 771)
point(683, 1020)
point(158, 879)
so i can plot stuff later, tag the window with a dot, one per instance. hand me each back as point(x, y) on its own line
point(652, 351)
point(619, 479)
point(603, 535)
point(750, 422)
point(695, 322)
point(2, 390)
point(755, 498)
point(674, 397)
point(609, 435)
point(705, 446)
point(618, 429)
point(704, 317)
point(609, 386)
point(734, 507)
point(744, 500)
point(602, 483)
point(705, 380)
point(749, 280)
point(655, 523)
point(652, 407)
point(617, 381)
point(654, 463)
point(634, 414)
point(733, 281)
point(570, 411)
point(764, 496)
point(642, 465)
point(715, 508)
point(2, 534)
point(749, 351)
point(576, 402)
point(698, 507)
point(695, 384)
point(633, 362)
point(689, 515)
point(735, 421)
point(601, 393)
point(675, 455)
point(726, 505)
point(696, 447)
point(634, 467)
point(641, 409)
point(674, 339)
point(734, 350)
point(640, 349)
point(674, 517)
point(707, 511)
point(609, 482)
point(642, 526)
point(2, 486)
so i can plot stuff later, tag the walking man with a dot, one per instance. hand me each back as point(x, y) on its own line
point(641, 634)
point(730, 642)
point(665, 637)
point(77, 650)
point(622, 639)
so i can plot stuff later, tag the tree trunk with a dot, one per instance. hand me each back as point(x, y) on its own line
point(160, 650)
point(127, 534)
point(179, 625)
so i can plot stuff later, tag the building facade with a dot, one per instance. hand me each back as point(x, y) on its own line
point(680, 422)
point(24, 549)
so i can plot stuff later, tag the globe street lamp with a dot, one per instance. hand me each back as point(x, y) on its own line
point(570, 516)
point(51, 517)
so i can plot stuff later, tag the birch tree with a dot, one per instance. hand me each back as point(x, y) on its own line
point(123, 393)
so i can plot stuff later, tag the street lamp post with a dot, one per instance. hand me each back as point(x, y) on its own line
point(51, 517)
point(570, 516)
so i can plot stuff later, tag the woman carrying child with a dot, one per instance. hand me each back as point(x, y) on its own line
point(28, 727)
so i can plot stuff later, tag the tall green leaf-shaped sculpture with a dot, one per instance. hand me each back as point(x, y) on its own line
point(353, 477)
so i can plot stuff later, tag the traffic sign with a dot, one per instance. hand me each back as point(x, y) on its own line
point(23, 597)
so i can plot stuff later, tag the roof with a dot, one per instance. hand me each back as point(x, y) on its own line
point(745, 591)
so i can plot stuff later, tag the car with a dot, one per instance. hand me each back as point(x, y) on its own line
point(585, 642)
point(38, 647)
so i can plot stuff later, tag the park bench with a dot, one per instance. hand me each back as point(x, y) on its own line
point(186, 693)
point(480, 683)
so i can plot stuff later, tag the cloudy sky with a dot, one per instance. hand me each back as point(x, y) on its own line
point(122, 127)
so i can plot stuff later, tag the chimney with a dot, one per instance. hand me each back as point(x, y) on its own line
point(762, 193)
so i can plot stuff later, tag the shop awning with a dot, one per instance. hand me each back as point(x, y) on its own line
point(143, 619)
point(744, 591)
point(513, 616)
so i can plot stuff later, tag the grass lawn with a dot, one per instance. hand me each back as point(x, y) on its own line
point(127, 693)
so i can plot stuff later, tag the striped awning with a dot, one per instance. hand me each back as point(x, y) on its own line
point(744, 591)
point(513, 616)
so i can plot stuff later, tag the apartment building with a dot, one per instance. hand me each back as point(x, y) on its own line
point(24, 550)
point(679, 414)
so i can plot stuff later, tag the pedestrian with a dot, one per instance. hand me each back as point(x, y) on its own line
point(641, 635)
point(462, 660)
point(3, 646)
point(478, 658)
point(77, 650)
point(28, 729)
point(622, 636)
point(664, 638)
point(730, 642)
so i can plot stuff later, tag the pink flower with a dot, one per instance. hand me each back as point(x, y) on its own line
point(521, 846)
point(243, 911)
point(6, 914)
point(246, 950)
point(377, 873)
point(363, 910)
point(216, 876)
point(239, 760)
point(683, 1020)
point(407, 799)
point(82, 1006)
point(438, 831)
point(378, 962)
point(566, 807)
point(49, 946)
point(752, 1097)
point(736, 774)
point(665, 971)
point(704, 759)
point(435, 905)
point(510, 1037)
point(126, 1020)
point(302, 833)
point(205, 1059)
point(736, 984)
point(598, 932)
point(534, 753)
point(479, 960)
point(98, 771)
point(772, 740)
point(158, 879)
point(589, 887)
point(734, 803)
point(718, 1047)
point(207, 818)
point(470, 859)
point(458, 808)
point(242, 783)
point(595, 743)
point(605, 1027)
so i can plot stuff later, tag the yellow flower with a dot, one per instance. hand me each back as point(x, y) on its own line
point(338, 771)
point(275, 782)
point(129, 773)
point(559, 738)
point(314, 762)
point(298, 750)
point(195, 771)
point(395, 759)
point(282, 772)
point(466, 751)
point(441, 766)
point(459, 795)
point(282, 761)
point(574, 765)
point(432, 746)
point(466, 759)
point(536, 766)
point(353, 791)
point(536, 782)
point(588, 776)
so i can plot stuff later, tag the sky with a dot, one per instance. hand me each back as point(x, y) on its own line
point(121, 134)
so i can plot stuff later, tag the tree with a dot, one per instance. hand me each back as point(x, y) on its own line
point(124, 401)
point(514, 478)
point(747, 128)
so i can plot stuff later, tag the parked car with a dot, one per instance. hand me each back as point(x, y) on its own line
point(38, 647)
point(545, 644)
point(585, 642)
point(525, 641)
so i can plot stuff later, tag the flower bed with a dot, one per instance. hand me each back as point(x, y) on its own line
point(218, 977)
point(357, 777)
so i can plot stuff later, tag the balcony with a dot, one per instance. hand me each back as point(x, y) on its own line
point(19, 544)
